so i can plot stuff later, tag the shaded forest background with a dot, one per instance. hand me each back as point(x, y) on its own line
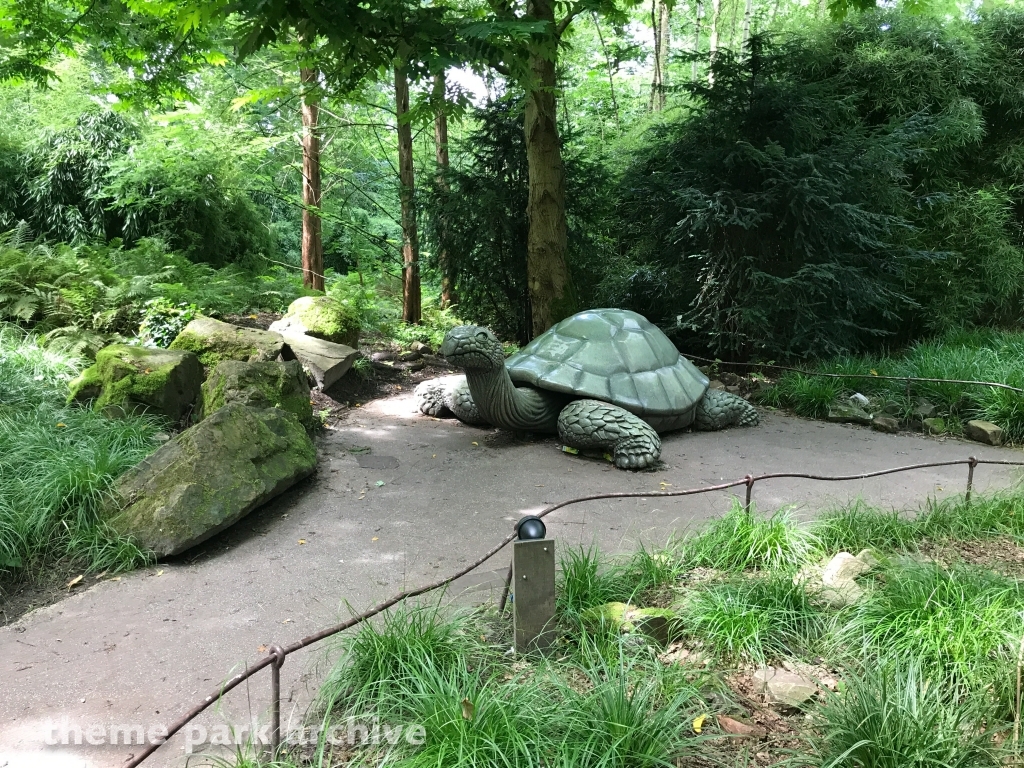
point(761, 179)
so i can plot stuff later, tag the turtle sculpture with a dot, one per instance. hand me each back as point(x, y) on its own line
point(604, 379)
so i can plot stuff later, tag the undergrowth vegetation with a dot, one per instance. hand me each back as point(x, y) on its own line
point(963, 355)
point(57, 462)
point(926, 654)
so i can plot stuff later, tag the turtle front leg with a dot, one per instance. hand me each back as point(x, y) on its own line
point(632, 442)
point(430, 396)
point(718, 410)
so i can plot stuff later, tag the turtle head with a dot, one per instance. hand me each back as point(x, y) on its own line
point(473, 348)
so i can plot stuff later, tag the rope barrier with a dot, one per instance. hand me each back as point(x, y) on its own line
point(277, 654)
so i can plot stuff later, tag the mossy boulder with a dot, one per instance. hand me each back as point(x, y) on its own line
point(210, 476)
point(259, 385)
point(127, 379)
point(656, 623)
point(213, 341)
point(321, 317)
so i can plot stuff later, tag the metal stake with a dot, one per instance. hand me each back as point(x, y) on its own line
point(504, 592)
point(750, 490)
point(275, 697)
point(971, 464)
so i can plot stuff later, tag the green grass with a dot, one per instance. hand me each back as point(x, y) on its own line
point(740, 540)
point(896, 715)
point(57, 463)
point(977, 355)
point(858, 525)
point(438, 670)
point(963, 625)
point(752, 619)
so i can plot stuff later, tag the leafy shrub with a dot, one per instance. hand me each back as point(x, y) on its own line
point(835, 188)
point(162, 321)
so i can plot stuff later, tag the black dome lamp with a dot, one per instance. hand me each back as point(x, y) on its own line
point(530, 527)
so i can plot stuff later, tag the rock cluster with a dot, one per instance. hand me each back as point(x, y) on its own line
point(253, 415)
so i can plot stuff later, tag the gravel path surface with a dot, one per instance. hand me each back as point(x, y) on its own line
point(426, 497)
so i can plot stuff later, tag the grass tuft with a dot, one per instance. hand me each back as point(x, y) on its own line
point(894, 715)
point(739, 541)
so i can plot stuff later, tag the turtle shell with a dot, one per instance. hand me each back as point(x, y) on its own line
point(613, 355)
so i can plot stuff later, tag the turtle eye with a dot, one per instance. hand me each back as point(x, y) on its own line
point(481, 334)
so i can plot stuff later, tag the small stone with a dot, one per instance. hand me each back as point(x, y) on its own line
point(843, 568)
point(848, 414)
point(716, 384)
point(784, 686)
point(739, 728)
point(885, 424)
point(984, 432)
point(408, 357)
point(417, 365)
point(859, 400)
point(935, 426)
point(870, 558)
point(892, 409)
point(382, 357)
point(925, 410)
point(732, 388)
point(161, 437)
point(423, 349)
point(653, 622)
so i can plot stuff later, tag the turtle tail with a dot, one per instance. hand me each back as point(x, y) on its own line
point(718, 410)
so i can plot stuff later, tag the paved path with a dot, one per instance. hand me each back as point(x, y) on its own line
point(140, 650)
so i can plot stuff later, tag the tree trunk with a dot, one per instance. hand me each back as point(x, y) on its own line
point(747, 18)
point(441, 153)
point(664, 47)
point(410, 239)
point(312, 238)
point(550, 288)
point(716, 10)
point(696, 38)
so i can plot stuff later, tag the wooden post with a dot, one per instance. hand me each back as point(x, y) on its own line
point(533, 593)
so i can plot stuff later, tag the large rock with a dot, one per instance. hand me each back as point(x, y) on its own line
point(321, 317)
point(259, 385)
point(213, 341)
point(844, 413)
point(656, 623)
point(326, 360)
point(984, 432)
point(883, 423)
point(127, 379)
point(211, 476)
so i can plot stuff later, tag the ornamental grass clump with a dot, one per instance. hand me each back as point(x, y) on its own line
point(898, 714)
point(740, 540)
point(57, 465)
point(962, 625)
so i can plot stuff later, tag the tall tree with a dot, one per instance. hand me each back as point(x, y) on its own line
point(552, 296)
point(660, 20)
point(312, 237)
point(411, 298)
point(442, 159)
point(696, 38)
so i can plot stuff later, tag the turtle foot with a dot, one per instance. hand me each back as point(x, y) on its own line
point(435, 397)
point(595, 424)
point(718, 410)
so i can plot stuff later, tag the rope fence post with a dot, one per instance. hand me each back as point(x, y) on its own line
point(275, 698)
point(750, 491)
point(971, 464)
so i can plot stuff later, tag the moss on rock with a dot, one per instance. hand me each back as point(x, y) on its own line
point(259, 385)
point(213, 341)
point(656, 623)
point(321, 317)
point(127, 379)
point(210, 476)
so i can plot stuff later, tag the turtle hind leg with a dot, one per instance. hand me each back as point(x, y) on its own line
point(718, 410)
point(632, 442)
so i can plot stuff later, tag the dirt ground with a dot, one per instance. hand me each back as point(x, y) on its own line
point(399, 499)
